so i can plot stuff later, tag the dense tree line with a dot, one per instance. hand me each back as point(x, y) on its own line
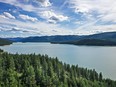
point(96, 42)
point(4, 42)
point(90, 42)
point(1, 50)
point(31, 70)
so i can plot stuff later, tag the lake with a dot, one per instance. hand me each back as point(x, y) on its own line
point(100, 58)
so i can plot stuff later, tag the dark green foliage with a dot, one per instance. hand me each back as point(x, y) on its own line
point(1, 50)
point(42, 71)
point(96, 42)
point(4, 42)
point(93, 42)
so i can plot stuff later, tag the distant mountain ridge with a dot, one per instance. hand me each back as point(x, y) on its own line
point(102, 39)
point(103, 36)
point(62, 38)
point(57, 38)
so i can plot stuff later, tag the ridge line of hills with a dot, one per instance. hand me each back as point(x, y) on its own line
point(101, 39)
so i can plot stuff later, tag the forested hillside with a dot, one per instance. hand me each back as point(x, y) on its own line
point(90, 42)
point(101, 39)
point(22, 70)
point(109, 36)
point(4, 42)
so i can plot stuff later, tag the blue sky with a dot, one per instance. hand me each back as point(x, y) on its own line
point(22, 18)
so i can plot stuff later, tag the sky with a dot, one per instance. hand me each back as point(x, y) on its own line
point(23, 18)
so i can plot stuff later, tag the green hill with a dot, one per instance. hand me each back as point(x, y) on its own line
point(4, 42)
point(95, 42)
point(91, 42)
point(101, 39)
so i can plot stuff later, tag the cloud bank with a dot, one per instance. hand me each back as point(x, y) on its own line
point(56, 17)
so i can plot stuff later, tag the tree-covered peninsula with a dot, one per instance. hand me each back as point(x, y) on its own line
point(90, 42)
point(31, 70)
point(5, 42)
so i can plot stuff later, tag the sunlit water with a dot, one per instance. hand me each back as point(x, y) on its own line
point(101, 58)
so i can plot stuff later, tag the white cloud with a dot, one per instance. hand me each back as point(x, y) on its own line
point(37, 28)
point(92, 12)
point(8, 15)
point(91, 28)
point(52, 17)
point(109, 17)
point(27, 4)
point(106, 8)
point(40, 9)
point(44, 3)
point(51, 21)
point(2, 16)
point(26, 17)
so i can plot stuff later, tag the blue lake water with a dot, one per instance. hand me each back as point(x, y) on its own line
point(100, 58)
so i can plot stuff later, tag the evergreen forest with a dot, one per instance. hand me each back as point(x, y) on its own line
point(5, 42)
point(32, 70)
